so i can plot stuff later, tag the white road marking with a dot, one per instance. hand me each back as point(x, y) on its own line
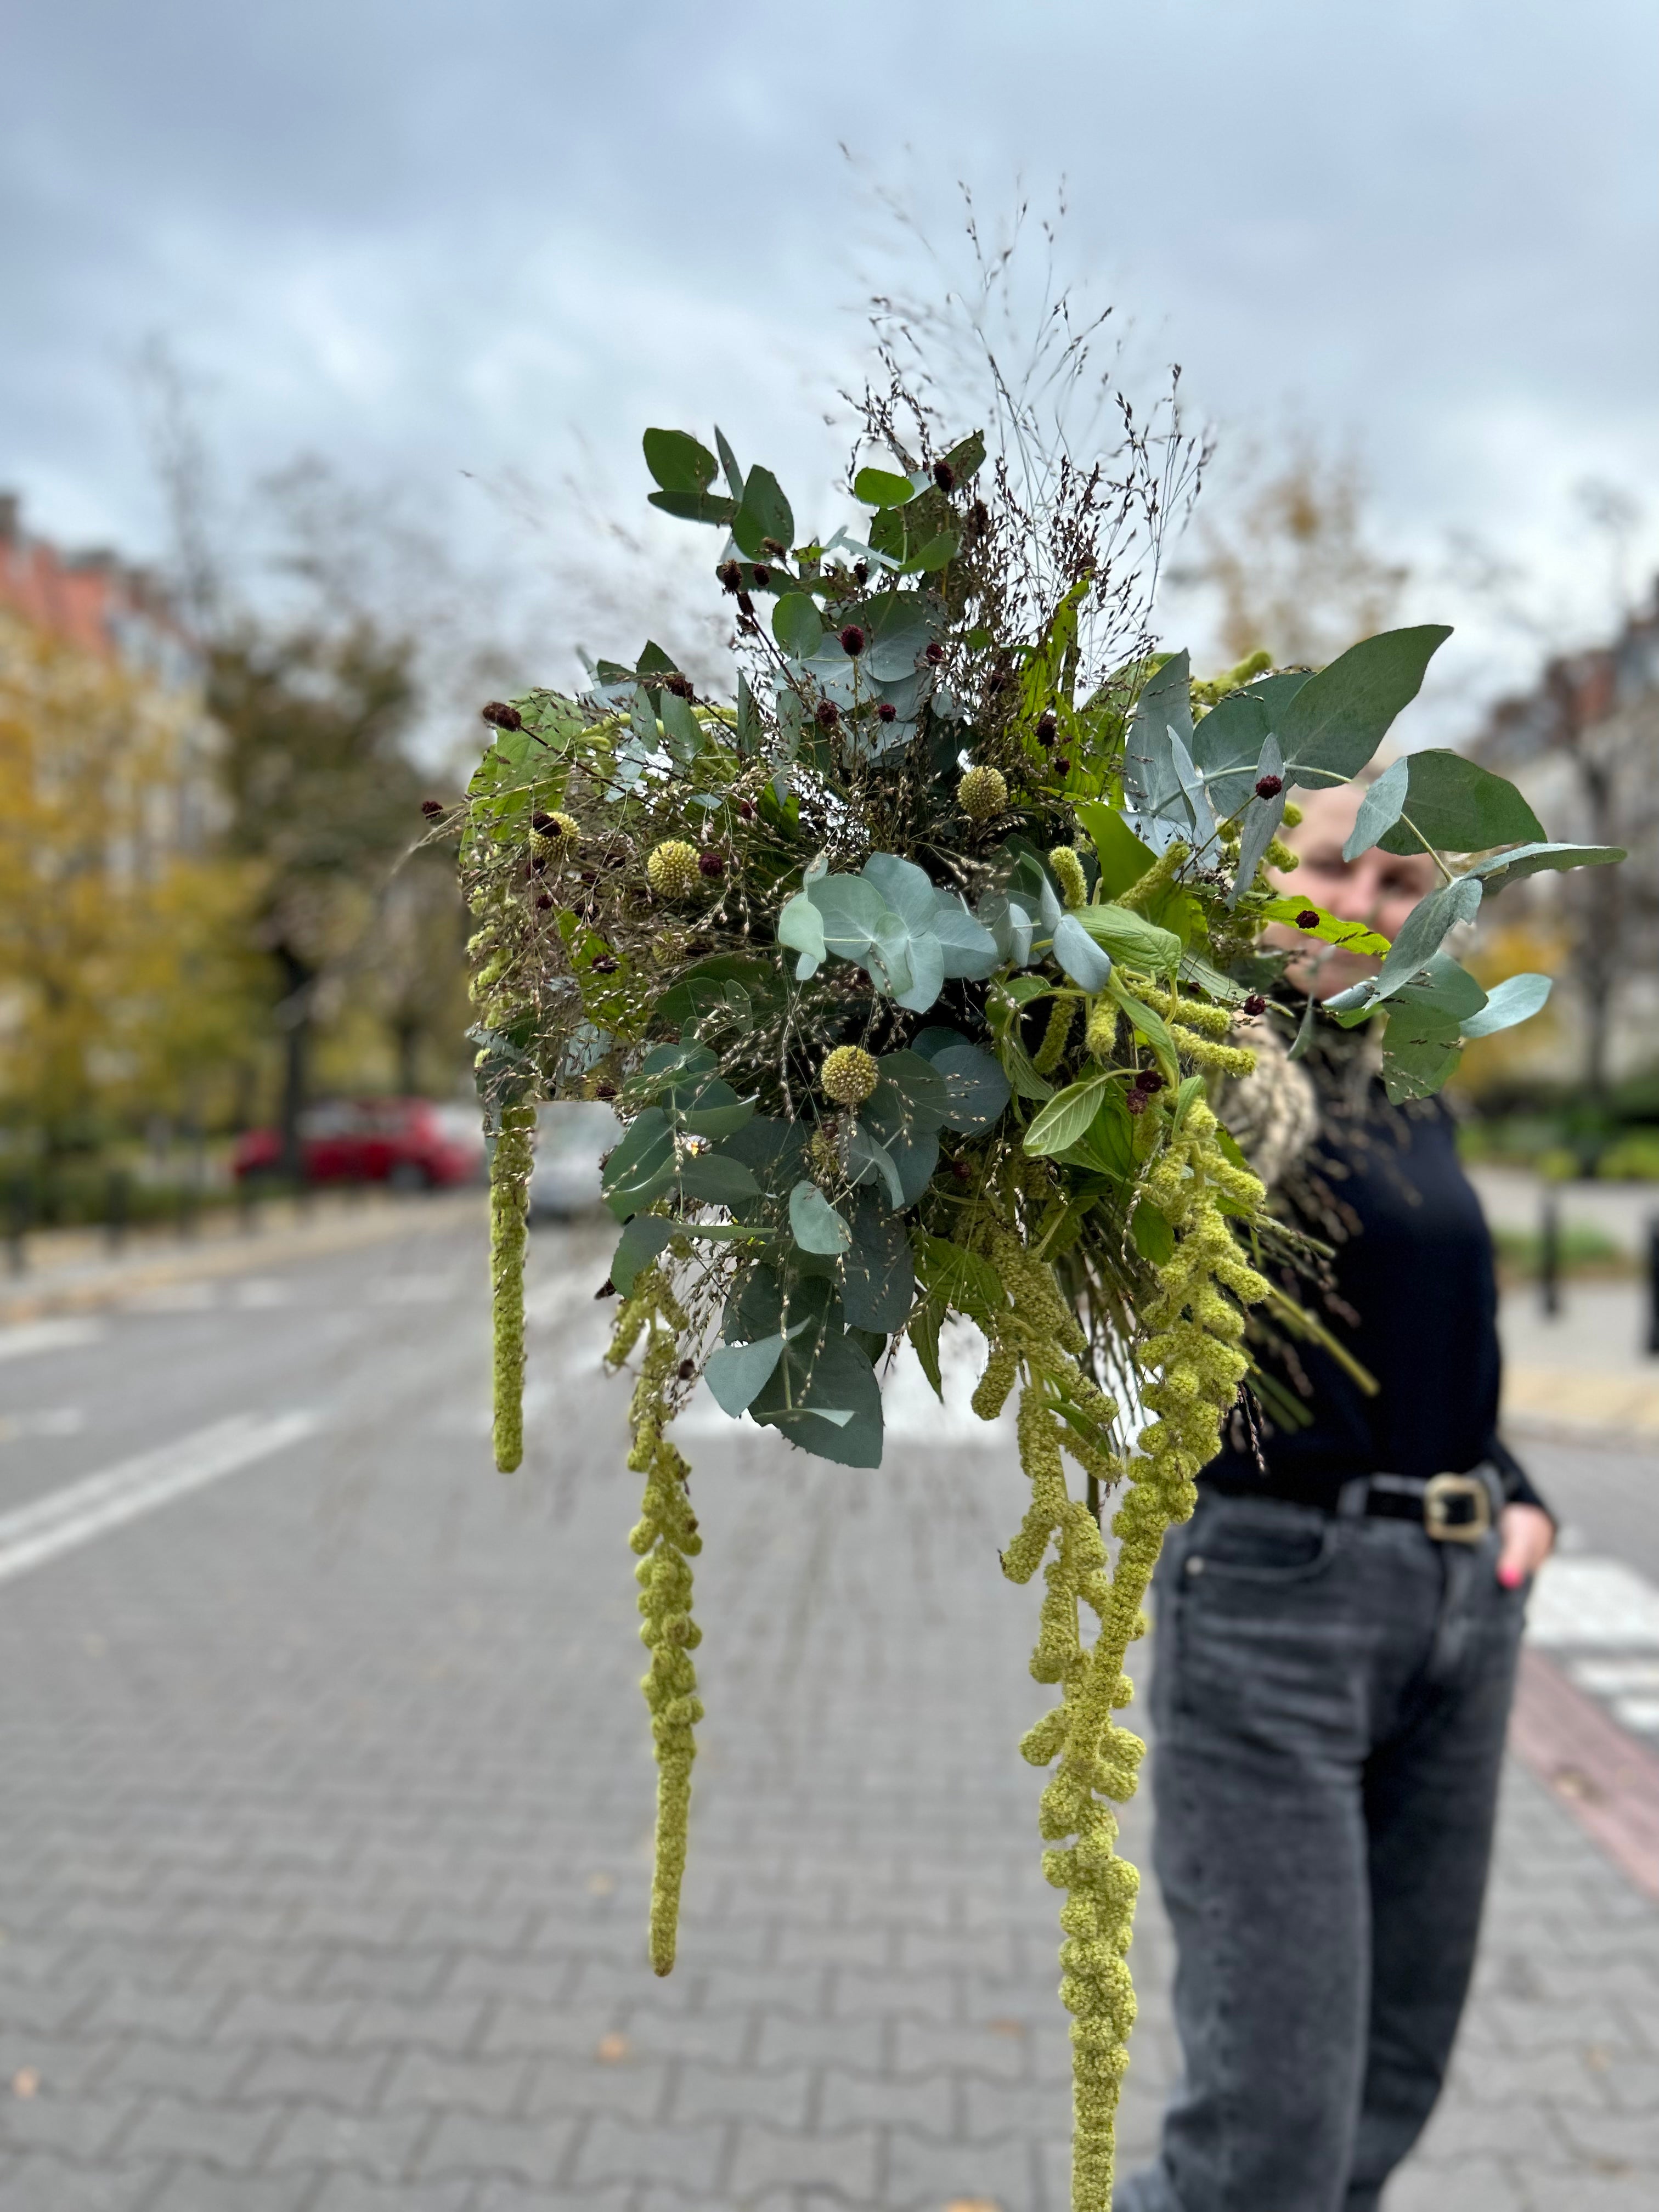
point(1587, 1604)
point(174, 1297)
point(81, 1510)
point(31, 1336)
point(1614, 1678)
point(48, 1421)
point(1641, 1714)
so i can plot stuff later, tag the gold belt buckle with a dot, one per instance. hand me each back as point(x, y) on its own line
point(1438, 1492)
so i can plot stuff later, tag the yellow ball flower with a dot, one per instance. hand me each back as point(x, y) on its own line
point(982, 793)
point(673, 870)
point(850, 1075)
point(554, 836)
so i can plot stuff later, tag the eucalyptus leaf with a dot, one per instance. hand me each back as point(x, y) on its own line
point(1423, 931)
point(869, 1159)
point(694, 505)
point(713, 1179)
point(737, 1373)
point(678, 462)
point(877, 1280)
point(816, 1225)
point(1262, 819)
point(1458, 806)
point(762, 513)
point(1083, 960)
point(641, 1166)
point(1379, 810)
point(976, 1088)
point(1504, 868)
point(643, 1239)
point(800, 928)
point(879, 488)
point(1516, 1000)
point(1333, 724)
point(729, 463)
point(796, 626)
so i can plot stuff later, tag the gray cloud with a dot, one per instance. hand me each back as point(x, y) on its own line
point(426, 239)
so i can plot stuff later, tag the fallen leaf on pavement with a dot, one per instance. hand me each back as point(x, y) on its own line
point(612, 2048)
point(25, 2082)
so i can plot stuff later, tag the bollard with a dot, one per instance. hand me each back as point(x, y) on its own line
point(1653, 1286)
point(117, 1208)
point(1549, 1256)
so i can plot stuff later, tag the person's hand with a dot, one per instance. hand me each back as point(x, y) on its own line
point(1528, 1538)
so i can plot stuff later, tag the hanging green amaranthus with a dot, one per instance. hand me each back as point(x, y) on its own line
point(666, 1539)
point(509, 1201)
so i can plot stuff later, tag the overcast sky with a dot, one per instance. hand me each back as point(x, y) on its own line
point(440, 242)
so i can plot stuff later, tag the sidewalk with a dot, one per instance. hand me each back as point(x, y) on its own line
point(72, 1271)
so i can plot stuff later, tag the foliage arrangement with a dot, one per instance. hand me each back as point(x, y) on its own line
point(918, 970)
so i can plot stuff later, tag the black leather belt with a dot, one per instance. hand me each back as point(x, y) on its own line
point(1453, 1509)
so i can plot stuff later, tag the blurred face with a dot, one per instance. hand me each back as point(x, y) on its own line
point(1378, 888)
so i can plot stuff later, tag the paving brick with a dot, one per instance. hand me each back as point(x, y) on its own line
point(316, 2134)
point(925, 2102)
point(356, 2192)
point(724, 2092)
point(230, 2137)
point(632, 2085)
point(474, 2143)
point(924, 2170)
point(37, 2183)
point(478, 2085)
point(846, 2162)
point(79, 2127)
point(207, 2188)
point(347, 2079)
point(315, 2023)
point(447, 2024)
point(689, 2158)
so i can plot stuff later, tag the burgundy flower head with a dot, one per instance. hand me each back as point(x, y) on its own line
point(1255, 1003)
point(1307, 918)
point(1269, 787)
point(853, 640)
point(503, 716)
point(887, 712)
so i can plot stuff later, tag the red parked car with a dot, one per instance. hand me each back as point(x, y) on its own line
point(408, 1143)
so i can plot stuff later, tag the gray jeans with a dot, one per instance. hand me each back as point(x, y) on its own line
point(1328, 1705)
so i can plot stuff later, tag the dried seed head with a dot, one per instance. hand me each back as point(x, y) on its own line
point(1269, 787)
point(933, 653)
point(1062, 767)
point(982, 793)
point(861, 571)
point(945, 475)
point(745, 605)
point(886, 712)
point(672, 869)
point(775, 547)
point(827, 714)
point(762, 576)
point(687, 1369)
point(729, 576)
point(745, 809)
point(432, 808)
point(853, 640)
point(849, 1075)
point(1255, 1003)
point(678, 685)
point(607, 1289)
point(711, 863)
point(1047, 725)
point(503, 716)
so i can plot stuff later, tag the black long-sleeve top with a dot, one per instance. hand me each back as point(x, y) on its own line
point(1416, 1305)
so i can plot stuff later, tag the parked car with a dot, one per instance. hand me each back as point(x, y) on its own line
point(409, 1143)
point(572, 1139)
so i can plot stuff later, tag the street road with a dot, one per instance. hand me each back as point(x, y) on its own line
point(323, 1837)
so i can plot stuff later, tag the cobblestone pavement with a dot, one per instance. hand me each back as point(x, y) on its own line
point(325, 1828)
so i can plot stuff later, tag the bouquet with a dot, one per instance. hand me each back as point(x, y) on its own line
point(918, 968)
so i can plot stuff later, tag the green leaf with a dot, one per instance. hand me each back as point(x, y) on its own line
point(694, 505)
point(1446, 986)
point(1329, 929)
point(678, 462)
point(764, 513)
point(877, 1282)
point(1151, 1025)
point(1107, 1145)
point(737, 1373)
point(749, 732)
point(800, 929)
point(729, 463)
point(1379, 810)
point(1129, 937)
point(924, 1335)
point(1419, 1051)
point(643, 1240)
point(1529, 860)
point(643, 1165)
point(681, 730)
point(715, 1111)
point(1022, 1076)
point(1084, 962)
point(1458, 805)
point(966, 458)
point(1154, 1239)
point(713, 1179)
point(1123, 859)
point(879, 488)
point(1516, 1000)
point(1423, 931)
point(938, 553)
point(920, 1094)
point(976, 1088)
point(817, 1225)
point(796, 626)
point(899, 627)
point(1065, 1116)
point(870, 1159)
point(1333, 724)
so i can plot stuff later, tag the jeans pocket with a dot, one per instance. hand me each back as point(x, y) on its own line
point(1253, 1540)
